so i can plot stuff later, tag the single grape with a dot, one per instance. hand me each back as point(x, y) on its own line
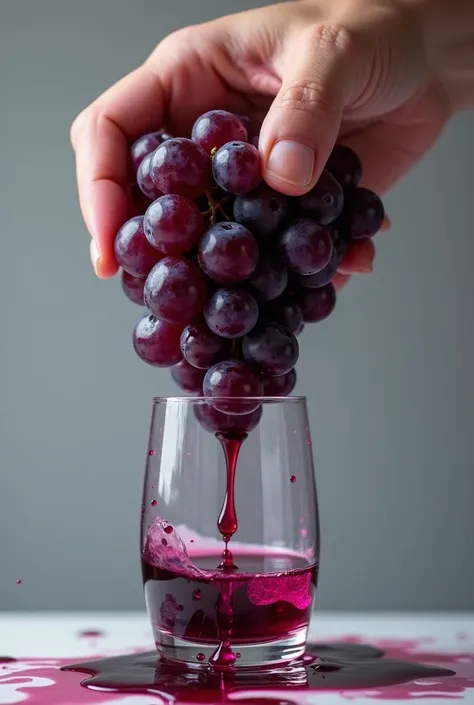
point(188, 378)
point(217, 127)
point(345, 166)
point(279, 386)
point(157, 342)
point(202, 348)
point(228, 253)
point(237, 168)
point(133, 287)
point(232, 378)
point(262, 211)
point(286, 312)
point(231, 313)
point(326, 275)
point(272, 348)
point(215, 421)
point(365, 214)
point(144, 180)
point(269, 279)
point(325, 201)
point(305, 247)
point(138, 201)
point(317, 304)
point(173, 224)
point(133, 251)
point(181, 166)
point(175, 290)
point(142, 147)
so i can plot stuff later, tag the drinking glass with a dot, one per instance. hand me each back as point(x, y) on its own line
point(230, 530)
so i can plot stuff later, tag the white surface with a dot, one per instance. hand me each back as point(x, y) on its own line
point(27, 636)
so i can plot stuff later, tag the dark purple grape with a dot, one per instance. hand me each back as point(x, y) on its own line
point(228, 253)
point(217, 127)
point(300, 330)
point(345, 166)
point(142, 147)
point(232, 378)
point(325, 201)
point(286, 312)
point(272, 348)
point(175, 290)
point(231, 313)
point(365, 214)
point(216, 421)
point(173, 224)
point(317, 304)
point(188, 378)
point(132, 250)
point(202, 348)
point(157, 342)
point(279, 386)
point(144, 180)
point(305, 247)
point(326, 275)
point(237, 168)
point(132, 287)
point(269, 279)
point(262, 211)
point(181, 166)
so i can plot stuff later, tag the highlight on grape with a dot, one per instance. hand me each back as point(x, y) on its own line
point(230, 270)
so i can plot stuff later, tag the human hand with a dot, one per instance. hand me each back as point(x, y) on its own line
point(314, 71)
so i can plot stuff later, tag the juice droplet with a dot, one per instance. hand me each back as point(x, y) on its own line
point(200, 657)
point(151, 452)
point(197, 595)
point(293, 478)
point(191, 540)
point(304, 533)
point(238, 654)
point(154, 502)
point(153, 487)
point(168, 529)
point(19, 581)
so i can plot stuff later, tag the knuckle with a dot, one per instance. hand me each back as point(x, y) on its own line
point(308, 95)
point(331, 37)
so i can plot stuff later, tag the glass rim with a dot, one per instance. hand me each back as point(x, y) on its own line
point(219, 400)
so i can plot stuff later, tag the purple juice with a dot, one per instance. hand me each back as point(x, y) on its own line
point(267, 598)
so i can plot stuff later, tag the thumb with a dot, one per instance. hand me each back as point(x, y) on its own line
point(303, 122)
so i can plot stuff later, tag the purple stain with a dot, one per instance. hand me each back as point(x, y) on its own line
point(164, 542)
point(197, 595)
point(293, 478)
point(168, 529)
point(91, 634)
point(154, 502)
point(151, 452)
point(19, 581)
point(153, 487)
point(200, 657)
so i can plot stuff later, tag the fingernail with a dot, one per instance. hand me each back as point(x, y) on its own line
point(95, 257)
point(292, 162)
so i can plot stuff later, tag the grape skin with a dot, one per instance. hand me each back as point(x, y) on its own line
point(231, 313)
point(305, 247)
point(175, 290)
point(263, 211)
point(237, 168)
point(286, 312)
point(317, 304)
point(156, 342)
point(173, 224)
point(215, 421)
point(187, 377)
point(232, 378)
point(272, 348)
point(325, 276)
point(132, 287)
point(365, 215)
point(202, 348)
point(132, 250)
point(181, 166)
point(325, 201)
point(144, 180)
point(142, 147)
point(279, 386)
point(345, 166)
point(228, 253)
point(269, 279)
point(217, 127)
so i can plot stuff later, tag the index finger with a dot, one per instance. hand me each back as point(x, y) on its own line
point(100, 136)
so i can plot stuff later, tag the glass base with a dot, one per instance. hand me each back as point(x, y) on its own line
point(269, 654)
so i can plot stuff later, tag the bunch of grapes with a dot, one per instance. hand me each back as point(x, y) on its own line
point(229, 269)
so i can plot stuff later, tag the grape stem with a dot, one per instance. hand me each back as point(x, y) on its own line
point(215, 207)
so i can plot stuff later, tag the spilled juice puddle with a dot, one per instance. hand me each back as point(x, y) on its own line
point(396, 670)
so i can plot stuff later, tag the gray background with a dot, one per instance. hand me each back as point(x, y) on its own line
point(389, 377)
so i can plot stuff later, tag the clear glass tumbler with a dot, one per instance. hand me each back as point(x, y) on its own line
point(230, 531)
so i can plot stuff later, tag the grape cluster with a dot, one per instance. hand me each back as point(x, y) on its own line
point(230, 270)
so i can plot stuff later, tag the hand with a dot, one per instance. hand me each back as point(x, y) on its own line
point(314, 71)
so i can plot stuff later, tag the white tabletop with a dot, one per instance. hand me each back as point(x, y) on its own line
point(43, 642)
